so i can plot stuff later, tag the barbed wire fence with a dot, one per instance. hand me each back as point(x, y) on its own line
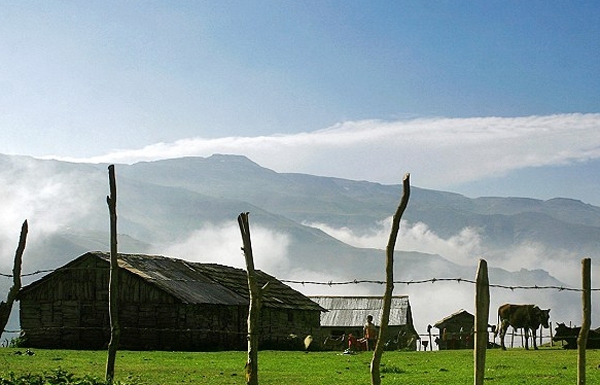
point(332, 283)
point(520, 335)
point(515, 333)
point(367, 281)
point(434, 280)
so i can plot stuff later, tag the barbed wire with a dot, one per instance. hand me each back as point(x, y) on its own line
point(434, 280)
point(370, 281)
point(30, 274)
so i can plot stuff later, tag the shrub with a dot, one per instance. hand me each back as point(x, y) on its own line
point(55, 377)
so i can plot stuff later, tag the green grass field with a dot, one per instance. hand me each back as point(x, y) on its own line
point(516, 366)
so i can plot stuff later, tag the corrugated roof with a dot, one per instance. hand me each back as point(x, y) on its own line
point(346, 311)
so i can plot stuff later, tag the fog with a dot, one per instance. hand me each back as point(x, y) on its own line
point(221, 243)
point(464, 248)
point(49, 199)
point(431, 302)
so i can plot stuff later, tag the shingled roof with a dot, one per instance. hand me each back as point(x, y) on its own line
point(200, 283)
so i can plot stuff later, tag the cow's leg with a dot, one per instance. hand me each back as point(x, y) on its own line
point(526, 329)
point(503, 329)
point(533, 332)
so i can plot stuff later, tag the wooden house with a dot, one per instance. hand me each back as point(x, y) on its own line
point(456, 331)
point(164, 304)
point(347, 315)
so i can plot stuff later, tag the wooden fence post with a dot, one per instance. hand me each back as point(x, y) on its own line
point(430, 341)
point(586, 299)
point(389, 282)
point(482, 312)
point(113, 286)
point(255, 303)
point(6, 307)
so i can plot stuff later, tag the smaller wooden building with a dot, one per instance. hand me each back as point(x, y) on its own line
point(164, 304)
point(456, 331)
point(347, 315)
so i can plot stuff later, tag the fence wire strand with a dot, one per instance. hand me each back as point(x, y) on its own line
point(434, 280)
point(371, 281)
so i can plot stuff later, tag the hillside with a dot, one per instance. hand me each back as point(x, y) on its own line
point(359, 204)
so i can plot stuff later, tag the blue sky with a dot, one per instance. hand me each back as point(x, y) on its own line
point(481, 98)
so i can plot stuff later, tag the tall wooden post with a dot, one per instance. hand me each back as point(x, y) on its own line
point(389, 282)
point(6, 307)
point(482, 312)
point(255, 303)
point(586, 299)
point(430, 341)
point(113, 286)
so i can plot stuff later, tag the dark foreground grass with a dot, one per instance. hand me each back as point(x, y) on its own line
point(546, 366)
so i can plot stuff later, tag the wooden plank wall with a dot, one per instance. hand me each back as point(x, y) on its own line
point(70, 310)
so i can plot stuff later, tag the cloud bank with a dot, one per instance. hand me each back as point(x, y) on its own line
point(437, 151)
point(460, 248)
point(464, 248)
point(49, 199)
point(221, 243)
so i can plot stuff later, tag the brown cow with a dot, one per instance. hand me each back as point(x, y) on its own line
point(570, 335)
point(528, 317)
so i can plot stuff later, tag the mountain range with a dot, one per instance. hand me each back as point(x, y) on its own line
point(318, 231)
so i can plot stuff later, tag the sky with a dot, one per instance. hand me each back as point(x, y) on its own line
point(494, 98)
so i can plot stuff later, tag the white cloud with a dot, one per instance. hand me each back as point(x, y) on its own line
point(460, 248)
point(444, 298)
point(436, 151)
point(221, 243)
point(48, 199)
point(560, 263)
point(464, 248)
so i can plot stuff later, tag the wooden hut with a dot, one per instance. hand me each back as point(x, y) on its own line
point(164, 304)
point(347, 315)
point(456, 331)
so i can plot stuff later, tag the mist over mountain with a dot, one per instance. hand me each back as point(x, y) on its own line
point(304, 228)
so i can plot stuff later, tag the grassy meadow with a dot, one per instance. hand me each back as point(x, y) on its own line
point(515, 366)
